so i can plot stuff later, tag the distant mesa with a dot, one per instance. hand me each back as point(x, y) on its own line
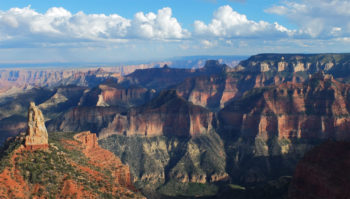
point(212, 63)
point(36, 136)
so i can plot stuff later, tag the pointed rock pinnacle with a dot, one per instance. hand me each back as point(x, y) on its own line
point(36, 137)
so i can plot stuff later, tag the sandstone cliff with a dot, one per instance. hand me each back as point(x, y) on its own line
point(317, 109)
point(210, 91)
point(168, 114)
point(111, 94)
point(36, 136)
point(215, 90)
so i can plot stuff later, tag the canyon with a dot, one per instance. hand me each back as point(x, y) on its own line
point(201, 130)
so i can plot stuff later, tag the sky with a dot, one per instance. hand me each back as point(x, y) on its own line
point(108, 31)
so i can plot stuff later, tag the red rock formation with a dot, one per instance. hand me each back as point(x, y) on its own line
point(315, 109)
point(36, 137)
point(168, 114)
point(323, 173)
point(209, 91)
point(112, 94)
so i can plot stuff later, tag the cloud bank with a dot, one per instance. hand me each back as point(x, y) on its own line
point(58, 25)
point(318, 25)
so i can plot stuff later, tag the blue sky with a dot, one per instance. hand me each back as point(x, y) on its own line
point(185, 11)
point(37, 31)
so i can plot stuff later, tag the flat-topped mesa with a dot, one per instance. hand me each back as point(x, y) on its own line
point(36, 136)
point(212, 63)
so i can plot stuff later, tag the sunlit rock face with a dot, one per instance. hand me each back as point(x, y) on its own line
point(168, 114)
point(317, 109)
point(36, 137)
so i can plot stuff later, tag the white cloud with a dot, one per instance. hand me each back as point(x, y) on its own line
point(160, 26)
point(317, 18)
point(60, 25)
point(227, 23)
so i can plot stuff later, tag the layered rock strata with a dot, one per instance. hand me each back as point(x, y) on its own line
point(317, 109)
point(168, 114)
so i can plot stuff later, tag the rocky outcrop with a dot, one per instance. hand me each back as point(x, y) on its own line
point(162, 116)
point(323, 173)
point(36, 137)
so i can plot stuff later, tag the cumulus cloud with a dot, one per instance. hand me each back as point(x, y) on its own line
point(60, 25)
point(161, 26)
point(227, 23)
point(317, 18)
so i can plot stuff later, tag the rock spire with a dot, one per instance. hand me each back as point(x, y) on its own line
point(36, 136)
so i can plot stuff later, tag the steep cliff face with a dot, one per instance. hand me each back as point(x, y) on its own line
point(216, 90)
point(116, 95)
point(210, 91)
point(323, 173)
point(335, 64)
point(162, 116)
point(317, 109)
point(162, 163)
point(36, 136)
point(84, 118)
point(269, 129)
